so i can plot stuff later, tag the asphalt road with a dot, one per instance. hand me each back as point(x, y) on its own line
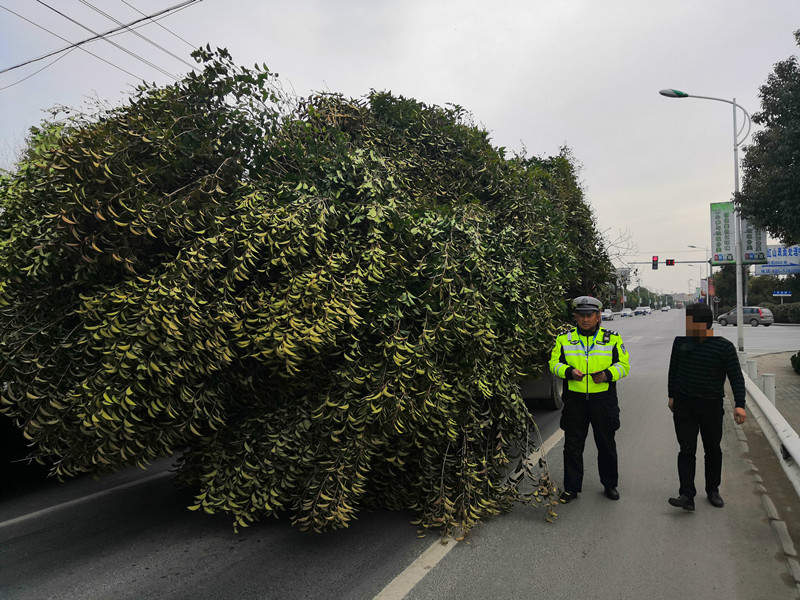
point(638, 547)
point(130, 536)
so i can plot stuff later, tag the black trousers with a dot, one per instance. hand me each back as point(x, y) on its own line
point(601, 411)
point(703, 415)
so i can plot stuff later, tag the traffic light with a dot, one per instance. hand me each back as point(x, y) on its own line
point(670, 262)
point(655, 262)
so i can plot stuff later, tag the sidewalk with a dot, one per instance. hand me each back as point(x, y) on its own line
point(778, 494)
point(787, 385)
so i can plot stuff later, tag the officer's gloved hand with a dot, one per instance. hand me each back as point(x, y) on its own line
point(599, 377)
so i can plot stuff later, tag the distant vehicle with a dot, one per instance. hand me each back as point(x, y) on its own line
point(626, 312)
point(648, 310)
point(754, 315)
point(665, 308)
point(640, 310)
point(608, 315)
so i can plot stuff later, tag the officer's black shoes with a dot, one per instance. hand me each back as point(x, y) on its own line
point(567, 497)
point(611, 493)
point(683, 502)
point(715, 499)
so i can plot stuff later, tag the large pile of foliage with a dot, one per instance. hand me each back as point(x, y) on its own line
point(322, 304)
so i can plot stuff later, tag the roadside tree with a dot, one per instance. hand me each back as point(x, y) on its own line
point(771, 165)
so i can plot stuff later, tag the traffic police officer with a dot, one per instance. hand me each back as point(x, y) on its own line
point(590, 360)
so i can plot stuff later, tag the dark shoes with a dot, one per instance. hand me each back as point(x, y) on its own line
point(683, 502)
point(567, 497)
point(687, 503)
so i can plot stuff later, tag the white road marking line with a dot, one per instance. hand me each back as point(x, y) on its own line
point(51, 509)
point(552, 441)
point(413, 574)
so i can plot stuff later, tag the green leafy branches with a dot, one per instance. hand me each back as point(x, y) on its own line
point(771, 177)
point(324, 304)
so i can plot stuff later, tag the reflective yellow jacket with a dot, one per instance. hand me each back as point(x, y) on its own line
point(603, 351)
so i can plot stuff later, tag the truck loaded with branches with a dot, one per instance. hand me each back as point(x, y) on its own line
point(318, 304)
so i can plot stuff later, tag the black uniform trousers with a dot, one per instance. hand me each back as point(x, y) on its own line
point(601, 411)
point(703, 415)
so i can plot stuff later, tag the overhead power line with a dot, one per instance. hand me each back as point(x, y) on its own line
point(116, 45)
point(70, 47)
point(91, 39)
point(51, 63)
point(167, 29)
point(136, 33)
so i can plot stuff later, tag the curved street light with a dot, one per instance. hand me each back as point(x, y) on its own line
point(698, 291)
point(708, 273)
point(737, 230)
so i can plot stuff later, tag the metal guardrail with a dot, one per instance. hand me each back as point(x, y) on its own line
point(783, 439)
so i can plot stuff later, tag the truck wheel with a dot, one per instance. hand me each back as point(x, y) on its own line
point(555, 394)
point(543, 393)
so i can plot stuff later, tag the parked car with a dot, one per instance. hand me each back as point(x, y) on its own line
point(607, 315)
point(640, 310)
point(754, 315)
point(665, 308)
point(626, 312)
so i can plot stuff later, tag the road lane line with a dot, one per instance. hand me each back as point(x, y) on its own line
point(416, 571)
point(57, 507)
point(552, 441)
point(413, 574)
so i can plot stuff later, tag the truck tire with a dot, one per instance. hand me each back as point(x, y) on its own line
point(556, 401)
point(543, 393)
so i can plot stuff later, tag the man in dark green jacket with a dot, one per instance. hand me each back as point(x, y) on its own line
point(698, 367)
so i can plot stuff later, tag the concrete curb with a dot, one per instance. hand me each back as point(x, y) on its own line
point(782, 535)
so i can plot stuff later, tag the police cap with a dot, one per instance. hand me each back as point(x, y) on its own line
point(586, 304)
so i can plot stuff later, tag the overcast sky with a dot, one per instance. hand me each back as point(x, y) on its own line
point(537, 74)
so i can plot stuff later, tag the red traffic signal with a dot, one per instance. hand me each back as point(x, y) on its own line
point(655, 262)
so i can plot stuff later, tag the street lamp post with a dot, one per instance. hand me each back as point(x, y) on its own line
point(708, 275)
point(708, 259)
point(737, 230)
point(699, 289)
